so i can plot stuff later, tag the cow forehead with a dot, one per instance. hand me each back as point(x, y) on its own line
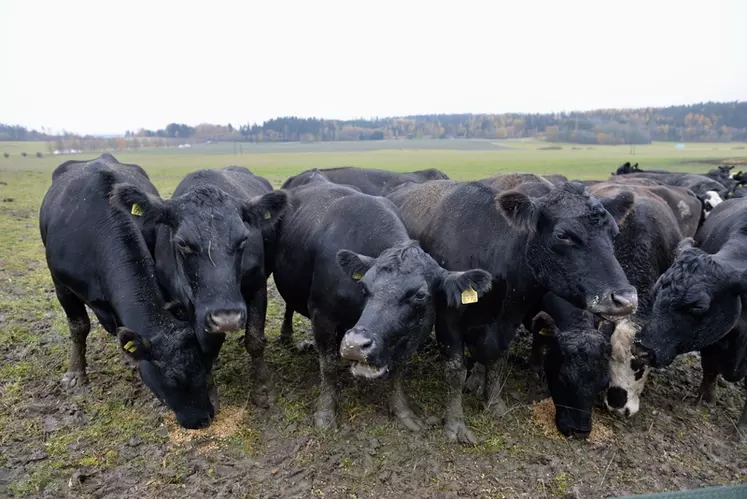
point(410, 261)
point(583, 207)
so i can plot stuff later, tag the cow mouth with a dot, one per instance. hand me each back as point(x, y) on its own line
point(368, 371)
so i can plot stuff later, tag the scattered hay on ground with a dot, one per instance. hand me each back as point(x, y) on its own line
point(228, 423)
point(543, 417)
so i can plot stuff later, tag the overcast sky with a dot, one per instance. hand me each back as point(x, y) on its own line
point(105, 66)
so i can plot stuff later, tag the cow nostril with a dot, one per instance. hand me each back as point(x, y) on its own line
point(627, 412)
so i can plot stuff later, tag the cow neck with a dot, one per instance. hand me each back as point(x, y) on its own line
point(733, 252)
point(132, 287)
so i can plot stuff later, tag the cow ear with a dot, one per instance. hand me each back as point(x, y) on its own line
point(544, 325)
point(134, 344)
point(519, 209)
point(266, 209)
point(620, 205)
point(353, 264)
point(130, 199)
point(463, 288)
point(683, 246)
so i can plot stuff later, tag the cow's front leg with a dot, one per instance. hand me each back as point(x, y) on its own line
point(261, 391)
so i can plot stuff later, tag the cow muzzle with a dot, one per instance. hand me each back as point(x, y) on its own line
point(357, 346)
point(224, 321)
point(615, 303)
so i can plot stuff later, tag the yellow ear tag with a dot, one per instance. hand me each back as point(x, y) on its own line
point(545, 331)
point(130, 346)
point(357, 276)
point(268, 215)
point(136, 210)
point(469, 295)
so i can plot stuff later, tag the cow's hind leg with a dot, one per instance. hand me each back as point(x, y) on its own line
point(261, 392)
point(325, 333)
point(709, 361)
point(449, 337)
point(80, 326)
point(495, 377)
point(286, 330)
point(399, 405)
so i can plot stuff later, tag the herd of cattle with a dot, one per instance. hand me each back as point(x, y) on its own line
point(605, 275)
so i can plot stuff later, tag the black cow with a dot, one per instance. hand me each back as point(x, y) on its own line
point(98, 257)
point(626, 169)
point(699, 302)
point(345, 260)
point(369, 180)
point(577, 362)
point(650, 232)
point(560, 241)
point(699, 184)
point(213, 255)
point(366, 180)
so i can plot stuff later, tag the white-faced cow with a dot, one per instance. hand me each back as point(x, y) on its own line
point(98, 257)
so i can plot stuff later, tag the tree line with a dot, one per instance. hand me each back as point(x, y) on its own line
point(704, 122)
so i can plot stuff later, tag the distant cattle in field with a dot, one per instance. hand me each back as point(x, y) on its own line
point(97, 256)
point(6, 155)
point(368, 180)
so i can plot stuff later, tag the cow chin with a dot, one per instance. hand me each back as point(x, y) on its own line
point(369, 371)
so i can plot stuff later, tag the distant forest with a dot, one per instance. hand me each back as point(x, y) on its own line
point(706, 122)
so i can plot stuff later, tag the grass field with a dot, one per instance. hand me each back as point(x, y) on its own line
point(114, 440)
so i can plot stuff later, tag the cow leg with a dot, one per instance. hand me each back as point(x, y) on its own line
point(452, 344)
point(261, 392)
point(494, 377)
point(286, 330)
point(80, 326)
point(709, 361)
point(399, 405)
point(325, 333)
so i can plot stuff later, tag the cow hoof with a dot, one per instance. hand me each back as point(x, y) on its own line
point(304, 346)
point(411, 421)
point(285, 339)
point(458, 432)
point(497, 408)
point(325, 420)
point(262, 397)
point(73, 380)
point(706, 396)
point(476, 380)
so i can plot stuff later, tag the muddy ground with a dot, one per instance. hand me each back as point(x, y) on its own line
point(114, 440)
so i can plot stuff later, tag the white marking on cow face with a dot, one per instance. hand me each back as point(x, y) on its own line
point(622, 375)
point(684, 209)
point(712, 200)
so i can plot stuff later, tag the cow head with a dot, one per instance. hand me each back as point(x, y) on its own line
point(577, 369)
point(569, 248)
point(208, 244)
point(697, 301)
point(400, 291)
point(627, 373)
point(175, 370)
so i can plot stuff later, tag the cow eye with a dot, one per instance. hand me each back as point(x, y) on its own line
point(562, 236)
point(697, 309)
point(419, 296)
point(241, 244)
point(183, 246)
